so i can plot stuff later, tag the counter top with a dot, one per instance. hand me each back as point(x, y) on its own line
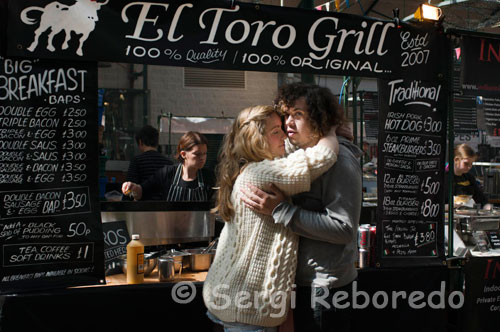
point(119, 307)
point(130, 206)
point(121, 279)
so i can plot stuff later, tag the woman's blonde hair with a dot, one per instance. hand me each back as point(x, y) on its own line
point(245, 143)
point(464, 151)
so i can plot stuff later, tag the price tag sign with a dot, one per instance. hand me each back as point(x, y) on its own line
point(116, 238)
point(50, 226)
point(494, 239)
point(410, 183)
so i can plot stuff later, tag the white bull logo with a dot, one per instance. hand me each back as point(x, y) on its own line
point(79, 17)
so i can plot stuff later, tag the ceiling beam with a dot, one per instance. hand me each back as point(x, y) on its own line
point(373, 4)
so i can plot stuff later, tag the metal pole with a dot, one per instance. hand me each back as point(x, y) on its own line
point(346, 98)
point(355, 108)
point(451, 146)
point(361, 127)
point(145, 97)
point(169, 132)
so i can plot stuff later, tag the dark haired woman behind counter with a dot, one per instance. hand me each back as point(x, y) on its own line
point(187, 181)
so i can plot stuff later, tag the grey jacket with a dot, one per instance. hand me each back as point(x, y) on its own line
point(326, 218)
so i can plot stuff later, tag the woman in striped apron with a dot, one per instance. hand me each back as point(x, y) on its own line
point(187, 181)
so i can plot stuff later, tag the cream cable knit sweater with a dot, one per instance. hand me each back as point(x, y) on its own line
point(251, 278)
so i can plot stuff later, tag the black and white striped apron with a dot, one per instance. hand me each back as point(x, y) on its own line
point(183, 194)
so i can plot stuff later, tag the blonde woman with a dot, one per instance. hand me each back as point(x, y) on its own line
point(250, 281)
point(465, 183)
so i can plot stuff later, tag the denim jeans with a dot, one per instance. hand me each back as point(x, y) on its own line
point(239, 327)
point(314, 310)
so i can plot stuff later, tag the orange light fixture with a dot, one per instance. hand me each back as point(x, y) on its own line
point(427, 12)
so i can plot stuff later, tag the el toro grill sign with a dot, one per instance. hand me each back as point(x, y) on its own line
point(223, 35)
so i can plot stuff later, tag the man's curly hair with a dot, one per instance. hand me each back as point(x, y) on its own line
point(323, 108)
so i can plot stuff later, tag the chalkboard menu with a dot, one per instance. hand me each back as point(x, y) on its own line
point(50, 226)
point(410, 186)
point(370, 113)
point(116, 238)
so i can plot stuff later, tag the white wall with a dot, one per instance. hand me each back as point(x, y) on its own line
point(168, 93)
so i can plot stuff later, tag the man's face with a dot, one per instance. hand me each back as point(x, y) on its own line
point(297, 125)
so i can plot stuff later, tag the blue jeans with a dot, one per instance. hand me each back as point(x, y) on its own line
point(239, 327)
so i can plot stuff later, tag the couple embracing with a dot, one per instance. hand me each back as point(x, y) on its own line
point(291, 203)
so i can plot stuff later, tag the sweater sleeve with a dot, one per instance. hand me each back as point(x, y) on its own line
point(338, 222)
point(294, 173)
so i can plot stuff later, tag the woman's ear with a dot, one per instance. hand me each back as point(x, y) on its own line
point(183, 154)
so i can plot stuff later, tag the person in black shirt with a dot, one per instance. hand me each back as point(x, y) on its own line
point(187, 181)
point(465, 183)
point(144, 165)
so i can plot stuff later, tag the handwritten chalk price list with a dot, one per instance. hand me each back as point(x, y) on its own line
point(411, 170)
point(48, 173)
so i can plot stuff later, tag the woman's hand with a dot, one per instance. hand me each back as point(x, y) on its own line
point(262, 201)
point(132, 189)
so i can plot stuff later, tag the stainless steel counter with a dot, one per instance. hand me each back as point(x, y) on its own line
point(161, 223)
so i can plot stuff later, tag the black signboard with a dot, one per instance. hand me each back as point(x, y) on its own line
point(482, 294)
point(494, 239)
point(464, 114)
point(50, 226)
point(489, 109)
point(223, 34)
point(480, 59)
point(370, 114)
point(116, 238)
point(412, 141)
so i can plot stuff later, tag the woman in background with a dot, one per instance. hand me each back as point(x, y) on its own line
point(187, 181)
point(465, 183)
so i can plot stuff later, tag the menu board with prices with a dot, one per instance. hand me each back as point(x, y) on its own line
point(412, 143)
point(50, 226)
point(116, 238)
point(370, 114)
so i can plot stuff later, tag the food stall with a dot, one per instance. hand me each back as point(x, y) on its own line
point(53, 222)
